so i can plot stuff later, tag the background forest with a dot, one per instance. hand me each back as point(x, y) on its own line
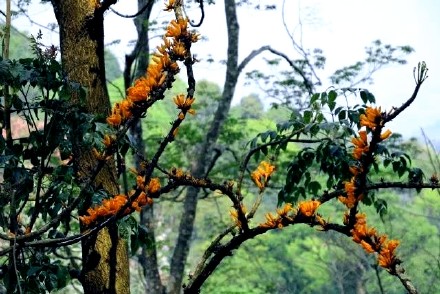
point(296, 259)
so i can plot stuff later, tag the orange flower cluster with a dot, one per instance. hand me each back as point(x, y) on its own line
point(361, 145)
point(262, 174)
point(276, 221)
point(351, 198)
point(308, 208)
point(234, 215)
point(112, 206)
point(372, 118)
point(153, 185)
point(371, 242)
point(387, 257)
point(140, 201)
point(305, 208)
point(160, 70)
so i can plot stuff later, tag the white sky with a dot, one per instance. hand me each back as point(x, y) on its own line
point(342, 28)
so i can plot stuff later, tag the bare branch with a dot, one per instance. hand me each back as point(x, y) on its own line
point(145, 7)
point(419, 78)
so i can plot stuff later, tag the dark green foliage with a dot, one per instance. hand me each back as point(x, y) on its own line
point(38, 178)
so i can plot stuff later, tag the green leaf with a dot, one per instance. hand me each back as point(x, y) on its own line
point(264, 136)
point(33, 270)
point(257, 155)
point(314, 98)
point(323, 98)
point(338, 109)
point(283, 145)
point(314, 187)
point(264, 150)
point(364, 96)
point(307, 116)
point(342, 115)
point(332, 99)
point(415, 176)
point(381, 207)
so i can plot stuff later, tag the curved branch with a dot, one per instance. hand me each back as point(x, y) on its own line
point(104, 5)
point(145, 7)
point(202, 17)
point(251, 55)
point(307, 82)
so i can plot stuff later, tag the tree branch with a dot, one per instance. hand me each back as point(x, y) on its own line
point(145, 7)
point(421, 76)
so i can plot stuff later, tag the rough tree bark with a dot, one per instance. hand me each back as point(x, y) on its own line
point(199, 165)
point(81, 22)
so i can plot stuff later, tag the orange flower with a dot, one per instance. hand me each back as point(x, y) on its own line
point(372, 118)
point(179, 49)
point(271, 221)
point(361, 145)
point(108, 140)
point(371, 241)
point(321, 221)
point(115, 119)
point(355, 170)
point(234, 215)
point(282, 212)
point(170, 6)
point(385, 135)
point(143, 199)
point(183, 102)
point(177, 172)
point(154, 185)
point(165, 60)
point(351, 198)
point(125, 107)
point(140, 182)
point(367, 247)
point(387, 257)
point(348, 200)
point(361, 232)
point(107, 208)
point(350, 186)
point(139, 91)
point(177, 28)
point(194, 37)
point(308, 208)
point(140, 201)
point(263, 171)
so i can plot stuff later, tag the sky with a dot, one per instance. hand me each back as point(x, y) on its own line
point(342, 28)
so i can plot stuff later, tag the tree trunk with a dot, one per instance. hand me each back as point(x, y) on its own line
point(199, 167)
point(81, 22)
